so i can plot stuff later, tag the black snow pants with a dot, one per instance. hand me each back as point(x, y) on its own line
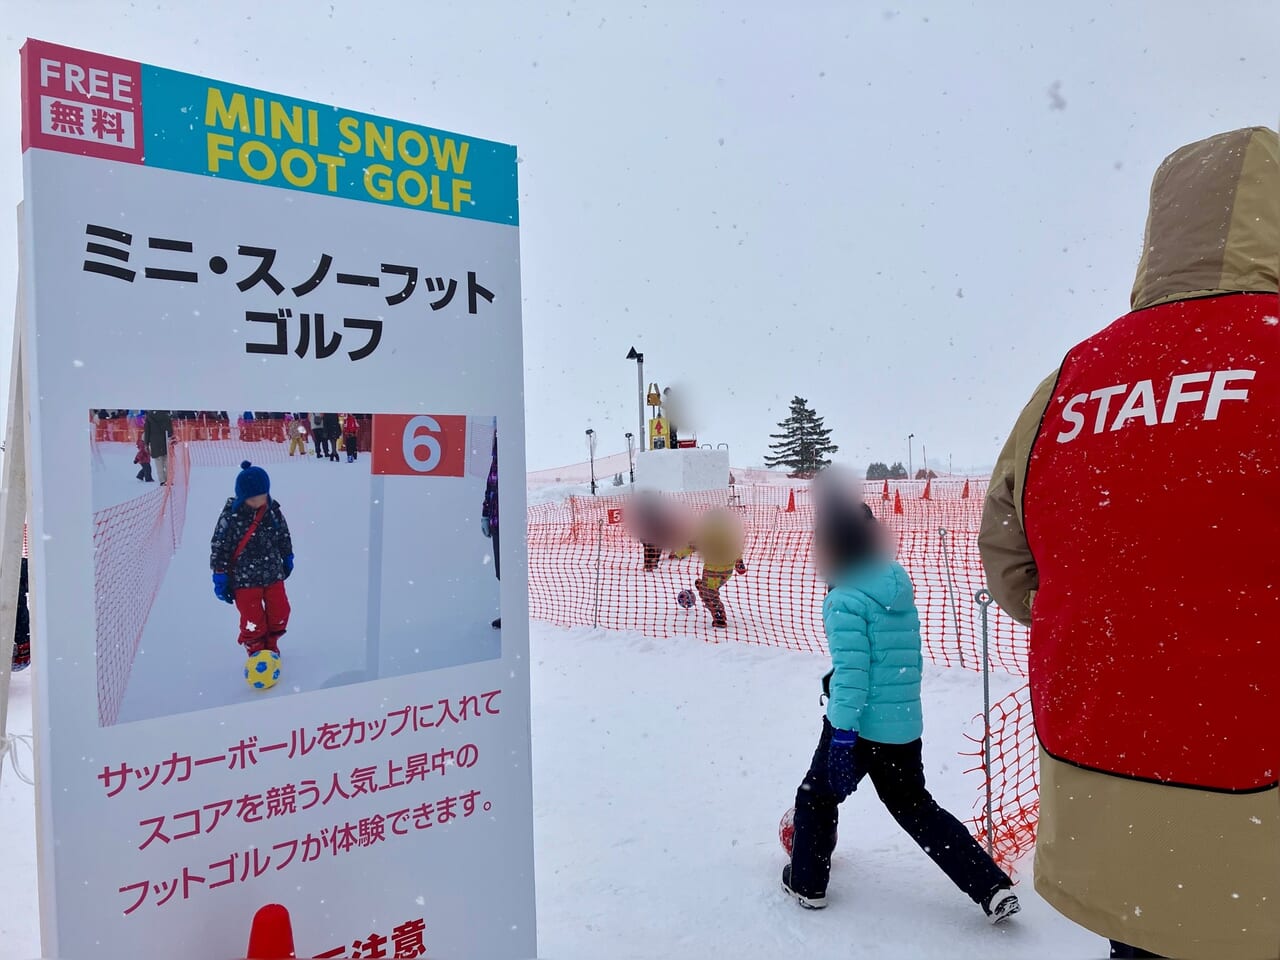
point(897, 773)
point(497, 553)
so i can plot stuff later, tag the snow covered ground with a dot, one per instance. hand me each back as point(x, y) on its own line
point(661, 769)
point(426, 539)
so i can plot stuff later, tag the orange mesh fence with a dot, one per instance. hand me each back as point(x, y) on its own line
point(1013, 780)
point(133, 543)
point(211, 443)
point(586, 570)
point(214, 443)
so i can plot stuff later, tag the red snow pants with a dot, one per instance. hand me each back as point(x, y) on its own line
point(264, 616)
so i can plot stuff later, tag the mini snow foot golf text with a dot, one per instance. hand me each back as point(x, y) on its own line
point(267, 673)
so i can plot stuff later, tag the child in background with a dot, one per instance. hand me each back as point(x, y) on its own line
point(489, 517)
point(655, 523)
point(296, 424)
point(351, 437)
point(252, 557)
point(22, 622)
point(717, 538)
point(143, 459)
point(874, 718)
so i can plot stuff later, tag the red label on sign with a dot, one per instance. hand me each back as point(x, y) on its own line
point(80, 102)
point(419, 445)
point(615, 514)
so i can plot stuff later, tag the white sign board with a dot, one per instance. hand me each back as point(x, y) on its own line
point(218, 275)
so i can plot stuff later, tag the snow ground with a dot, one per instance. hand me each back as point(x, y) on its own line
point(661, 769)
point(429, 533)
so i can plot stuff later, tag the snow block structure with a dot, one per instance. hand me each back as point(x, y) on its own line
point(683, 470)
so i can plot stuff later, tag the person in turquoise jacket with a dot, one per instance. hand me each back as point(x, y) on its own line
point(874, 722)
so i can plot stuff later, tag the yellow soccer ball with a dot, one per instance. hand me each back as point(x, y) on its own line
point(262, 670)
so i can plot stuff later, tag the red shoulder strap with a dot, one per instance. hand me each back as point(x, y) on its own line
point(249, 533)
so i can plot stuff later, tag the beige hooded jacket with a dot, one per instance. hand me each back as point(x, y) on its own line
point(1183, 873)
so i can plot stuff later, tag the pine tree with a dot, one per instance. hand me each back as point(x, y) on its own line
point(803, 444)
point(878, 471)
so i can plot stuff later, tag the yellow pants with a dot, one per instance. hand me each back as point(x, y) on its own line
point(299, 444)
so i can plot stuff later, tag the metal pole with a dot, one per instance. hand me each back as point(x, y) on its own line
point(951, 592)
point(910, 472)
point(984, 602)
point(640, 385)
point(599, 538)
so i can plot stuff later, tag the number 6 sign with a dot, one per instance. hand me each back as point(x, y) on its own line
point(421, 445)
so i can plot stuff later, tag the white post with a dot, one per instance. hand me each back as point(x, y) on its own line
point(13, 515)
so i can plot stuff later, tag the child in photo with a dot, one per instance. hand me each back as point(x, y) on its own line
point(143, 459)
point(296, 424)
point(874, 719)
point(351, 436)
point(489, 517)
point(252, 557)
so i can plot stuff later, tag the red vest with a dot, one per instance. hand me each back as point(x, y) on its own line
point(1152, 508)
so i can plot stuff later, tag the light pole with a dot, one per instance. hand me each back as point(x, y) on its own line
point(910, 474)
point(631, 455)
point(639, 359)
point(591, 450)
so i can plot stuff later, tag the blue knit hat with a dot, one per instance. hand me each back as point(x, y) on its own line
point(251, 482)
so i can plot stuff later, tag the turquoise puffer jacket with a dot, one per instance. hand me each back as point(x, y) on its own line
point(873, 632)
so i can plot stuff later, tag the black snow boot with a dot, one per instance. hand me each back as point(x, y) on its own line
point(810, 901)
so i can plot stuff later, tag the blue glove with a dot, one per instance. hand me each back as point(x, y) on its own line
point(842, 765)
point(485, 527)
point(221, 588)
point(288, 566)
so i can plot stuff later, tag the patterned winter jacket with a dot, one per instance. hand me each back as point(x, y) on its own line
point(490, 509)
point(873, 632)
point(262, 561)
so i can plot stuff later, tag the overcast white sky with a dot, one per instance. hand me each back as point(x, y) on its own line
point(904, 212)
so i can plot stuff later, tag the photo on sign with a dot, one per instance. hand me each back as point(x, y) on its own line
point(353, 547)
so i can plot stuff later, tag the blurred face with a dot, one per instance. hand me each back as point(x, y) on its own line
point(256, 502)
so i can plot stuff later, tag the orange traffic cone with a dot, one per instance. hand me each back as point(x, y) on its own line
point(897, 501)
point(791, 502)
point(884, 494)
point(928, 490)
point(271, 937)
point(964, 494)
